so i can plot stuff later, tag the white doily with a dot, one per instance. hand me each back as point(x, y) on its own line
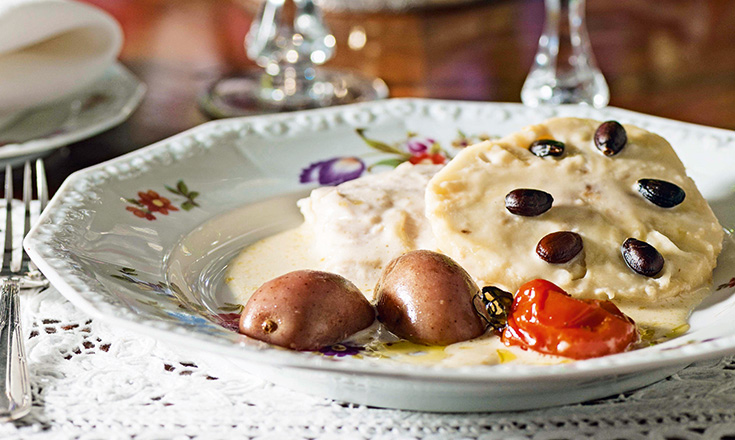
point(93, 381)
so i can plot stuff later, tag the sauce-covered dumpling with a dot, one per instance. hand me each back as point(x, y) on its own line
point(358, 227)
point(609, 183)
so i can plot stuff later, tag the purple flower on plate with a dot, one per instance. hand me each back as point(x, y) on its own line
point(230, 321)
point(340, 350)
point(333, 171)
point(419, 145)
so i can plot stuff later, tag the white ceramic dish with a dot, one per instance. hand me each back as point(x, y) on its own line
point(104, 104)
point(141, 241)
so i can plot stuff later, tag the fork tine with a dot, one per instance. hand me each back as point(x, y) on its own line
point(27, 196)
point(16, 260)
point(8, 209)
point(42, 195)
point(41, 184)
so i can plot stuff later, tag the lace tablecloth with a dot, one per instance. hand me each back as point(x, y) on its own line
point(91, 380)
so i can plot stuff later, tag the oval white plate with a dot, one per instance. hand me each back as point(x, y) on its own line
point(141, 241)
point(104, 104)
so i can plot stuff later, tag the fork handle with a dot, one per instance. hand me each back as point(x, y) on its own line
point(15, 390)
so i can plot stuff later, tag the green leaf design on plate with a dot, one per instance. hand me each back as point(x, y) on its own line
point(182, 189)
point(231, 308)
point(378, 145)
point(394, 162)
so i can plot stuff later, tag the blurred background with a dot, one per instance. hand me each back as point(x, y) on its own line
point(671, 58)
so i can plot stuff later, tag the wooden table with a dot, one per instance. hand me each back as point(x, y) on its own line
point(671, 58)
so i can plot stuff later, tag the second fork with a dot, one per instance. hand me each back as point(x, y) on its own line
point(17, 272)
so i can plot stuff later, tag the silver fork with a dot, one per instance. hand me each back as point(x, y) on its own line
point(17, 272)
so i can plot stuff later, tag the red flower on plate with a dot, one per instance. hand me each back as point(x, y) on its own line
point(150, 202)
point(155, 203)
point(428, 158)
point(727, 285)
point(142, 213)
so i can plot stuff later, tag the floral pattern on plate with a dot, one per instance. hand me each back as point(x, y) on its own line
point(177, 307)
point(414, 148)
point(726, 285)
point(150, 202)
point(341, 350)
point(165, 304)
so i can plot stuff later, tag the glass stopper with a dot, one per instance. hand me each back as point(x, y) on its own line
point(564, 69)
point(289, 41)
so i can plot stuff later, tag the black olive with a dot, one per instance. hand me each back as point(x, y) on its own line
point(660, 192)
point(642, 257)
point(610, 138)
point(559, 247)
point(528, 202)
point(547, 147)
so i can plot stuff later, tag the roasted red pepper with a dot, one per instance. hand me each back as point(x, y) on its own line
point(546, 319)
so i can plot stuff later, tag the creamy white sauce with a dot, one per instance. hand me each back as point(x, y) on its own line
point(290, 250)
point(267, 259)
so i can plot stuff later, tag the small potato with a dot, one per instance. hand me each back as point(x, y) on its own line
point(426, 297)
point(306, 310)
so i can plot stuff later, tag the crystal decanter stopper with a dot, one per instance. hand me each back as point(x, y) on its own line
point(564, 70)
point(289, 41)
